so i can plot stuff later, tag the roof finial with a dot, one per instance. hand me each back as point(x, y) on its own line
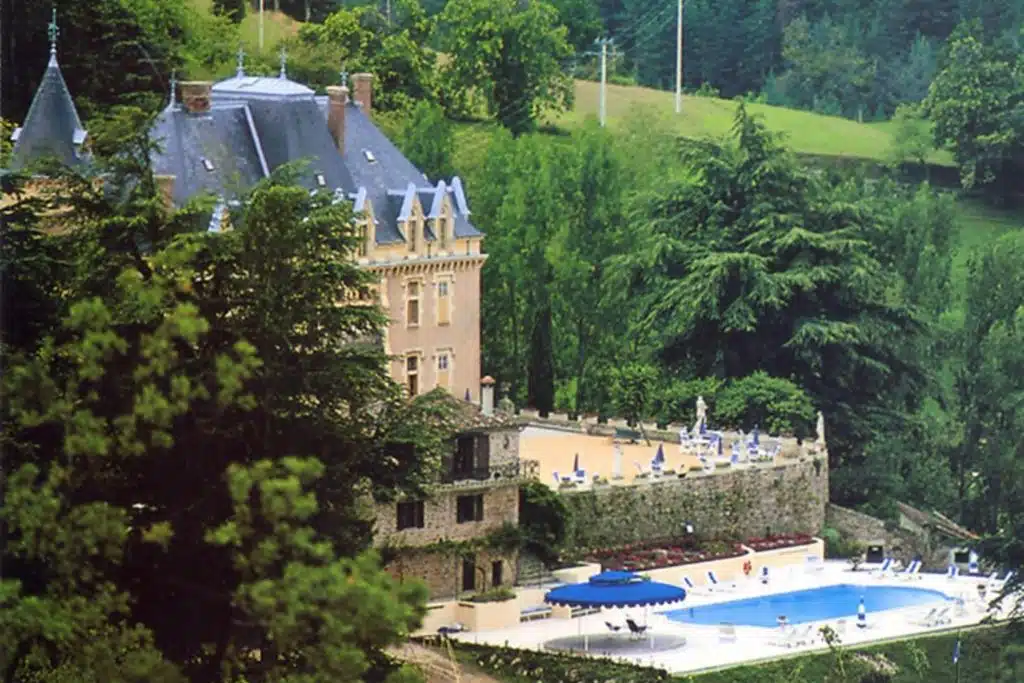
point(52, 30)
point(174, 87)
point(240, 72)
point(284, 62)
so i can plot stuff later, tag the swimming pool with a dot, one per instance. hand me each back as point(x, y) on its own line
point(815, 604)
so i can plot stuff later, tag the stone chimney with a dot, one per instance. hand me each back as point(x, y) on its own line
point(337, 97)
point(487, 395)
point(364, 91)
point(165, 184)
point(195, 95)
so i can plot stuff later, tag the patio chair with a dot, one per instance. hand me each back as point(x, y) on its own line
point(715, 584)
point(911, 571)
point(952, 571)
point(762, 575)
point(940, 617)
point(635, 629)
point(884, 569)
point(927, 619)
point(581, 476)
point(557, 480)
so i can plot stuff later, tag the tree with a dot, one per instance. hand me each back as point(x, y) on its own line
point(912, 138)
point(976, 104)
point(232, 9)
point(396, 52)
point(544, 518)
point(201, 440)
point(750, 262)
point(633, 391)
point(427, 139)
point(511, 53)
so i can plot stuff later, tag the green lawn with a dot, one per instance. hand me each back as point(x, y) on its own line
point(979, 225)
point(805, 132)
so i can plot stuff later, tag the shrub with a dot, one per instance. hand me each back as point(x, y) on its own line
point(777, 405)
point(511, 664)
point(499, 594)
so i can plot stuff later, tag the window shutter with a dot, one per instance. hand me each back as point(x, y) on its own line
point(483, 451)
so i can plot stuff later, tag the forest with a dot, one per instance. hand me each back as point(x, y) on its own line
point(629, 271)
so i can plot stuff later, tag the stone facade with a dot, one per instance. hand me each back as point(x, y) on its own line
point(443, 572)
point(735, 504)
point(500, 507)
point(504, 447)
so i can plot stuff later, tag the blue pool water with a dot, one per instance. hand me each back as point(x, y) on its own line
point(815, 604)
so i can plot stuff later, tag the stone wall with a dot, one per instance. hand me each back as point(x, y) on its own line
point(442, 572)
point(901, 543)
point(504, 446)
point(737, 503)
point(501, 506)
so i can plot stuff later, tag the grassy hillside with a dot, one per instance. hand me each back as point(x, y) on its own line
point(806, 132)
point(276, 26)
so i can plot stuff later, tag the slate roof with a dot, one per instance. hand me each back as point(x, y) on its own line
point(290, 126)
point(223, 136)
point(386, 174)
point(52, 127)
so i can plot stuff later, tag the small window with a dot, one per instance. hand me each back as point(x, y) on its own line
point(412, 374)
point(443, 367)
point(412, 304)
point(320, 180)
point(442, 229)
point(369, 156)
point(444, 306)
point(410, 515)
point(207, 164)
point(470, 509)
point(410, 228)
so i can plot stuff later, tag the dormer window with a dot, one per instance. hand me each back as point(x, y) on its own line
point(207, 164)
point(320, 180)
point(370, 158)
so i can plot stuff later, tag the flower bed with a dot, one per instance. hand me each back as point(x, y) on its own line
point(779, 541)
point(639, 557)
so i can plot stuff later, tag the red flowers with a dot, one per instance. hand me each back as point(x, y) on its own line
point(779, 541)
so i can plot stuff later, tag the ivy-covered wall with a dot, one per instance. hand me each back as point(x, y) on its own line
point(736, 504)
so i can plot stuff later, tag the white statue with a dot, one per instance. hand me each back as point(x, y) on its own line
point(702, 414)
point(821, 430)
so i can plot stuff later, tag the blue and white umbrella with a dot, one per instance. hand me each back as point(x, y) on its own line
point(703, 428)
point(862, 615)
point(576, 463)
point(757, 436)
point(659, 457)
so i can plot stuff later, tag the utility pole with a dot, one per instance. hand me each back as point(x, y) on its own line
point(261, 25)
point(604, 42)
point(679, 58)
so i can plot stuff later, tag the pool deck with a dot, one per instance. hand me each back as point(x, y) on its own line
point(706, 647)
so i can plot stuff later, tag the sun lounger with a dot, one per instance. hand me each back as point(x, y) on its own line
point(726, 633)
point(885, 569)
point(911, 571)
point(612, 627)
point(762, 575)
point(715, 584)
point(952, 571)
point(635, 629)
point(940, 617)
point(797, 635)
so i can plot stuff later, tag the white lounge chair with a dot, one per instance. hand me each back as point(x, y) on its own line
point(940, 617)
point(927, 619)
point(952, 571)
point(885, 569)
point(796, 635)
point(726, 633)
point(911, 571)
point(715, 584)
point(762, 575)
